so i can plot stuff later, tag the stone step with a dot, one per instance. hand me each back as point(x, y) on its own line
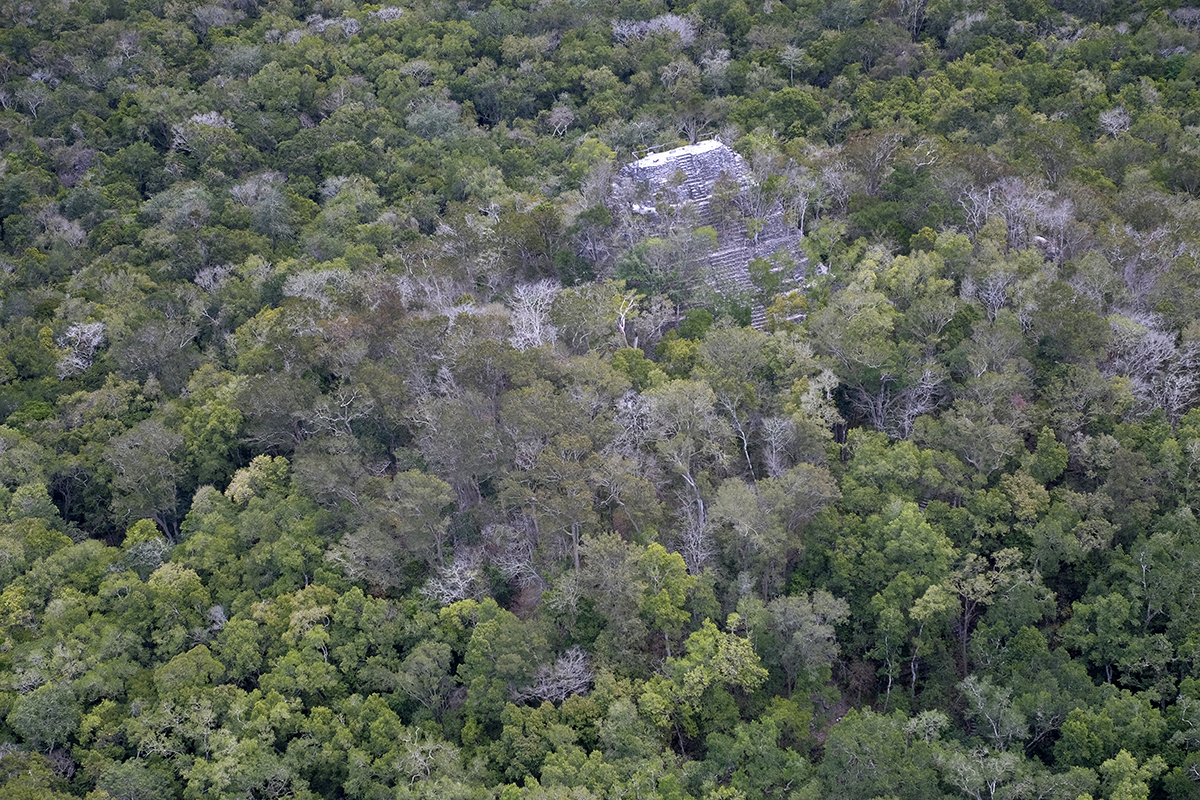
point(702, 165)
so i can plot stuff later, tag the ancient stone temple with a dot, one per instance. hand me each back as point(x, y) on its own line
point(710, 184)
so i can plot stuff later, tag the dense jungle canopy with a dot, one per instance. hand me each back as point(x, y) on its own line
point(358, 442)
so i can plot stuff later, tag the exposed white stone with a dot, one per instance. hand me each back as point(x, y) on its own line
point(684, 178)
point(672, 156)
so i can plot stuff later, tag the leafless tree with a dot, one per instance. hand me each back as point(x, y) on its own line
point(678, 74)
point(336, 412)
point(199, 130)
point(791, 57)
point(510, 550)
point(779, 433)
point(570, 674)
point(1187, 17)
point(531, 304)
point(801, 194)
point(1065, 236)
point(991, 346)
point(715, 65)
point(386, 14)
point(1141, 258)
point(693, 119)
point(835, 180)
point(34, 95)
point(322, 287)
point(559, 119)
point(460, 579)
point(340, 92)
point(1162, 374)
point(628, 30)
point(894, 406)
point(912, 13)
point(1115, 121)
point(1022, 206)
point(1138, 347)
point(696, 544)
point(205, 18)
point(421, 757)
point(81, 341)
point(872, 154)
point(976, 204)
point(990, 290)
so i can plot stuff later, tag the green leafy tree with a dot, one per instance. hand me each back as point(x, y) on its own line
point(46, 717)
point(409, 519)
point(147, 475)
point(873, 755)
point(715, 662)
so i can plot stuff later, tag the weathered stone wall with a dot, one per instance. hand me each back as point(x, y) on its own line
point(665, 188)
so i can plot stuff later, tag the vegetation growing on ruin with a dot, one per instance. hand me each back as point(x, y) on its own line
point(358, 443)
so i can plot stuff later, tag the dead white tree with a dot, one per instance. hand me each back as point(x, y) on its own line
point(1021, 205)
point(511, 551)
point(629, 30)
point(559, 119)
point(1115, 121)
point(570, 674)
point(460, 579)
point(801, 194)
point(386, 14)
point(256, 188)
point(419, 756)
point(871, 155)
point(913, 14)
point(198, 129)
point(1161, 374)
point(1064, 235)
point(976, 204)
point(779, 433)
point(681, 69)
point(211, 278)
point(1133, 255)
point(835, 179)
point(81, 341)
point(335, 413)
point(792, 57)
point(531, 303)
point(696, 543)
point(34, 95)
point(895, 404)
point(990, 290)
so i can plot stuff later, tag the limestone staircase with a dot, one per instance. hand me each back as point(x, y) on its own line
point(702, 165)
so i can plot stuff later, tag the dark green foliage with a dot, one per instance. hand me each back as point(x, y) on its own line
point(360, 441)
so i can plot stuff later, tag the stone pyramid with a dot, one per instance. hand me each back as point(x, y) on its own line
point(707, 183)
